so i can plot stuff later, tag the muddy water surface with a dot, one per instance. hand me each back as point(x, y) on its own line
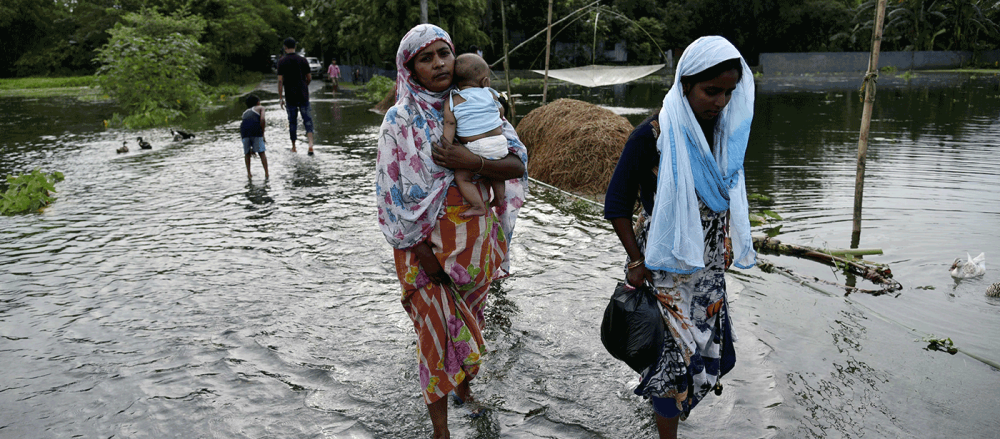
point(165, 295)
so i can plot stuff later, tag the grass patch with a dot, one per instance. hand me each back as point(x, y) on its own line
point(90, 94)
point(35, 83)
point(350, 86)
point(976, 71)
point(83, 87)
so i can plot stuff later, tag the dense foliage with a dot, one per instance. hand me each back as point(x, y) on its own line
point(29, 192)
point(368, 31)
point(60, 38)
point(150, 67)
point(377, 88)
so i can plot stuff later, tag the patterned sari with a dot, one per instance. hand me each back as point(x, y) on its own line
point(698, 343)
point(417, 203)
point(449, 319)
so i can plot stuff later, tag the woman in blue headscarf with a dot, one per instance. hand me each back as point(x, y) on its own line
point(685, 167)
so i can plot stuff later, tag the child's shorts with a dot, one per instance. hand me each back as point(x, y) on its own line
point(253, 144)
point(489, 148)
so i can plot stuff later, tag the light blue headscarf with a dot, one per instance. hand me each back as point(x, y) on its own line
point(688, 169)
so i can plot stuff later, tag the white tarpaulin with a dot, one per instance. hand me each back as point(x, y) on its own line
point(594, 75)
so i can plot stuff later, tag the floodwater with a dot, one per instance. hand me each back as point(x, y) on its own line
point(165, 295)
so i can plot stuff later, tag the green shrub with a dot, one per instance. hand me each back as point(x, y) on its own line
point(29, 192)
point(150, 67)
point(377, 88)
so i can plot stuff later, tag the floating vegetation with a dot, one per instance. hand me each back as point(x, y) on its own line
point(29, 192)
point(759, 212)
point(577, 205)
point(939, 344)
point(879, 274)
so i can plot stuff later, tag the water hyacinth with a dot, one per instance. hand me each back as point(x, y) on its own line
point(29, 192)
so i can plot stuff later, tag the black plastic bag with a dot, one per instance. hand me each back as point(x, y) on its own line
point(632, 329)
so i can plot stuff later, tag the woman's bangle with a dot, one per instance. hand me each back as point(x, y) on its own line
point(482, 164)
point(636, 263)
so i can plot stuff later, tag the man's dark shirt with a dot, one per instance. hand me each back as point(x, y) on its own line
point(293, 70)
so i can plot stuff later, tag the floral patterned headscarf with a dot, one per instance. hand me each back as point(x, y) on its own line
point(410, 188)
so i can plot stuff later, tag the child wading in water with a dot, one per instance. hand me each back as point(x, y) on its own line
point(473, 114)
point(252, 132)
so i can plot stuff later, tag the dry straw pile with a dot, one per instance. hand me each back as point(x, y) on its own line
point(574, 145)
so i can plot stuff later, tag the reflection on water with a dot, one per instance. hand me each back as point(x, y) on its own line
point(164, 294)
point(257, 194)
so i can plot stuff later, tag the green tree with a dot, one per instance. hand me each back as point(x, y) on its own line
point(913, 24)
point(150, 67)
point(969, 26)
point(370, 30)
point(27, 26)
point(236, 37)
point(758, 26)
point(931, 25)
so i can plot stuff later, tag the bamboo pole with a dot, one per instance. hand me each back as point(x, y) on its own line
point(506, 66)
point(593, 49)
point(548, 45)
point(866, 119)
point(855, 251)
point(877, 274)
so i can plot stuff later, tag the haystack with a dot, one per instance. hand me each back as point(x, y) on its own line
point(573, 145)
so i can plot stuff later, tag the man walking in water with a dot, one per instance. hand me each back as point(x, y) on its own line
point(294, 77)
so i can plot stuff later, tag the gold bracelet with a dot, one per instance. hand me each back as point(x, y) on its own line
point(635, 264)
point(482, 164)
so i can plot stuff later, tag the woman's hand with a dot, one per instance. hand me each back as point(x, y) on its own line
point(454, 155)
point(430, 264)
point(639, 275)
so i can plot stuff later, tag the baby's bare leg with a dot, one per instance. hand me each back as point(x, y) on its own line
point(463, 178)
point(499, 192)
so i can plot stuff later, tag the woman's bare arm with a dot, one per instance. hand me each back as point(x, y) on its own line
point(623, 228)
point(430, 264)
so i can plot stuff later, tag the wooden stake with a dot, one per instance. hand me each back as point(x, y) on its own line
point(593, 59)
point(866, 119)
point(548, 44)
point(506, 67)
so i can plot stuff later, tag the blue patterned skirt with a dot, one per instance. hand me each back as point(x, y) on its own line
point(698, 343)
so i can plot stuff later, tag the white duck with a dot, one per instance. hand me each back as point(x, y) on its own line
point(971, 268)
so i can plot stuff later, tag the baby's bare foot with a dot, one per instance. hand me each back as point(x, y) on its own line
point(473, 211)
